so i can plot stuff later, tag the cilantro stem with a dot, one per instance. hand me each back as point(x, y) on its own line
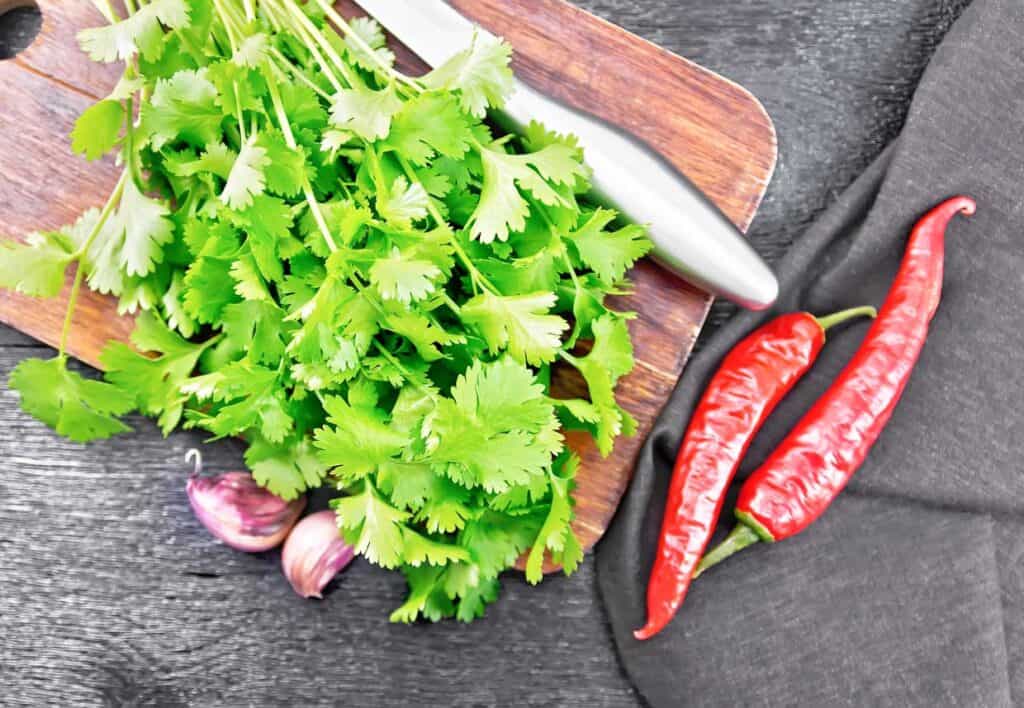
point(307, 189)
point(196, 53)
point(476, 277)
point(240, 117)
point(314, 34)
point(79, 255)
point(452, 305)
point(131, 157)
point(282, 64)
point(352, 36)
point(563, 251)
point(280, 20)
point(107, 10)
point(226, 21)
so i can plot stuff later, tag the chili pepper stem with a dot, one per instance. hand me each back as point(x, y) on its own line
point(738, 539)
point(830, 321)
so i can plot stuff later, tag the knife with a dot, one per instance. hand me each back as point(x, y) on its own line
point(691, 236)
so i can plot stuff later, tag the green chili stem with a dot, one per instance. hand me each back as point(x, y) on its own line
point(741, 537)
point(837, 318)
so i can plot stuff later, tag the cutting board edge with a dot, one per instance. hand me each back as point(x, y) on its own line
point(766, 122)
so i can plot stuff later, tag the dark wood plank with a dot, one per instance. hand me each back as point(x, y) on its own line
point(709, 127)
point(10, 337)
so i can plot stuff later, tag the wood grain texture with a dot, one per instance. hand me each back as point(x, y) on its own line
point(710, 128)
point(194, 624)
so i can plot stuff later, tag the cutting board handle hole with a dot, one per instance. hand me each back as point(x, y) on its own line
point(20, 23)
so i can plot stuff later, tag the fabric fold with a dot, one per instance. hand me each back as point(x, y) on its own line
point(954, 443)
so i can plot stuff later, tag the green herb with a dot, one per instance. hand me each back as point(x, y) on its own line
point(346, 267)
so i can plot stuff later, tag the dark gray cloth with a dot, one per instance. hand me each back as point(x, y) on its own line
point(908, 591)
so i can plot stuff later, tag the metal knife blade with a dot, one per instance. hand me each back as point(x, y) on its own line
point(692, 237)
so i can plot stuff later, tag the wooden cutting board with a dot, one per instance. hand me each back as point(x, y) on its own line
point(713, 130)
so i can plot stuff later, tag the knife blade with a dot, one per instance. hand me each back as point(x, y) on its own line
point(691, 236)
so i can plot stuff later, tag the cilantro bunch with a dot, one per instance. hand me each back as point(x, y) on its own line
point(350, 269)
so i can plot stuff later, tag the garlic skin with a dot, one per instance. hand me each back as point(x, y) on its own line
point(314, 553)
point(239, 512)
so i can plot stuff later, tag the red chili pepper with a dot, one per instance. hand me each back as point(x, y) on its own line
point(811, 466)
point(751, 381)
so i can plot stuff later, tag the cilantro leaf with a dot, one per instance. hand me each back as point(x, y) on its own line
point(286, 168)
point(426, 596)
point(428, 125)
point(480, 74)
point(205, 293)
point(496, 431)
point(174, 306)
point(257, 328)
point(365, 112)
point(520, 323)
point(249, 398)
point(403, 203)
point(357, 441)
point(155, 382)
point(286, 470)
point(402, 279)
point(141, 32)
point(77, 408)
point(502, 207)
point(246, 179)
point(98, 128)
point(144, 226)
point(369, 30)
point(425, 334)
point(374, 527)
point(217, 159)
point(252, 51)
point(609, 253)
point(36, 267)
point(610, 359)
point(418, 550)
point(183, 107)
point(556, 535)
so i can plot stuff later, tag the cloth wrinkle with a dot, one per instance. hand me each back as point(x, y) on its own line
point(897, 595)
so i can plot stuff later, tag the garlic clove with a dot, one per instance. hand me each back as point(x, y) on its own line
point(314, 553)
point(235, 509)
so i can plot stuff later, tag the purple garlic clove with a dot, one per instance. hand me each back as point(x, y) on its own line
point(314, 553)
point(238, 511)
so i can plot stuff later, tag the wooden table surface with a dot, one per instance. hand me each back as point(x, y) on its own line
point(110, 593)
